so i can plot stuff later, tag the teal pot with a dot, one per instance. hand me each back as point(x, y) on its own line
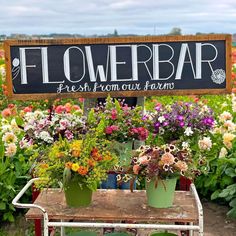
point(161, 195)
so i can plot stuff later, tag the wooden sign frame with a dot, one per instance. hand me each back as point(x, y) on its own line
point(119, 40)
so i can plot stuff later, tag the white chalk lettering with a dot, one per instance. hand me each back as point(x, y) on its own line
point(66, 60)
point(157, 61)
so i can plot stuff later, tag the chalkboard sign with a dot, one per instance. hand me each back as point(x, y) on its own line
point(137, 66)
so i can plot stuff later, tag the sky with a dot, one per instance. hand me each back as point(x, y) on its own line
point(142, 17)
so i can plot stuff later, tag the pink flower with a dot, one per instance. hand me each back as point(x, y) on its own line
point(69, 135)
point(60, 109)
point(167, 158)
point(143, 160)
point(6, 112)
point(27, 109)
point(76, 108)
point(81, 100)
point(136, 169)
point(110, 129)
point(113, 114)
point(115, 127)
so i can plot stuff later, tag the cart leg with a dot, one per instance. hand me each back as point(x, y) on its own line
point(37, 227)
point(191, 231)
point(62, 230)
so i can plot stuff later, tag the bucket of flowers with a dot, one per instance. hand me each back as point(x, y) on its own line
point(79, 165)
point(160, 166)
point(123, 126)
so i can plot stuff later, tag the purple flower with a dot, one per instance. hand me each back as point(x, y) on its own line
point(180, 118)
point(165, 123)
point(157, 125)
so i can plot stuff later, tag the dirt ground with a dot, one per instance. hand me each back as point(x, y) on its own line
point(216, 222)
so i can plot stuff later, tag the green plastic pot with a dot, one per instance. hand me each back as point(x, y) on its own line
point(76, 194)
point(162, 195)
point(162, 234)
point(82, 233)
point(117, 234)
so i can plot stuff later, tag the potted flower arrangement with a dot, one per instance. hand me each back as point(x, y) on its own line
point(80, 165)
point(121, 125)
point(161, 166)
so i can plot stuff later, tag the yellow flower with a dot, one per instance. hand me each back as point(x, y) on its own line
point(76, 148)
point(228, 137)
point(75, 167)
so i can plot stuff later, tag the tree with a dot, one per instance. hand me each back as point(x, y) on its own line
point(175, 31)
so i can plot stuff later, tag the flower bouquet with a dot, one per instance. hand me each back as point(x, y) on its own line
point(180, 120)
point(160, 166)
point(121, 125)
point(78, 164)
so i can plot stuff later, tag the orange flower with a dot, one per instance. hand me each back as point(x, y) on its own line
point(44, 165)
point(91, 163)
point(68, 165)
point(60, 154)
point(75, 153)
point(83, 170)
point(167, 158)
point(136, 169)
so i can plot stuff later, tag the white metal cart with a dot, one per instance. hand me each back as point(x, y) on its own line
point(115, 206)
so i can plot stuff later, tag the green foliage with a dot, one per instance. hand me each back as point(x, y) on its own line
point(13, 176)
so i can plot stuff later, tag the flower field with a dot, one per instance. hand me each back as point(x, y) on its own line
point(203, 125)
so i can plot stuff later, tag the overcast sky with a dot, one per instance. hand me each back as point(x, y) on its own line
point(126, 16)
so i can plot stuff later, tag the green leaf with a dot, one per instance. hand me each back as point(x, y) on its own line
point(1, 149)
point(8, 216)
point(233, 203)
point(230, 172)
point(215, 195)
point(225, 181)
point(19, 121)
point(2, 205)
point(232, 213)
point(66, 175)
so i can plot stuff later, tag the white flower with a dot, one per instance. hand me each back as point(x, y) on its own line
point(223, 152)
point(14, 125)
point(225, 116)
point(188, 131)
point(185, 145)
point(45, 136)
point(6, 128)
point(161, 119)
point(9, 137)
point(229, 125)
point(11, 150)
point(205, 143)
